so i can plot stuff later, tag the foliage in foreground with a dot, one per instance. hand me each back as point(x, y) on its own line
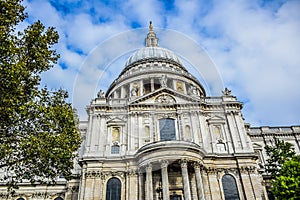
point(287, 183)
point(278, 154)
point(38, 128)
point(284, 167)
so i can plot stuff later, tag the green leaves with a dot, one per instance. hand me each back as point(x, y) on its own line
point(284, 167)
point(287, 183)
point(278, 154)
point(38, 131)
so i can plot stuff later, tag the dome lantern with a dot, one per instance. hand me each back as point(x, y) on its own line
point(151, 39)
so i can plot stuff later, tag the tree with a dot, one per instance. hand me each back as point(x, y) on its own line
point(287, 183)
point(38, 128)
point(278, 154)
point(281, 157)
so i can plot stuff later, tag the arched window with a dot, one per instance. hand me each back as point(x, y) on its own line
point(115, 149)
point(167, 129)
point(20, 199)
point(58, 198)
point(230, 188)
point(113, 189)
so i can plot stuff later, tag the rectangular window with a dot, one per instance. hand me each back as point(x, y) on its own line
point(167, 129)
point(115, 149)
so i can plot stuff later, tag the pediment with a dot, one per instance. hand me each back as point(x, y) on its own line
point(115, 121)
point(215, 119)
point(257, 146)
point(164, 96)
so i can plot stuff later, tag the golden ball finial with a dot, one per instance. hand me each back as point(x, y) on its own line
point(150, 26)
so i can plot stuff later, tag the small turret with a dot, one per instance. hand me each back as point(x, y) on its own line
point(151, 39)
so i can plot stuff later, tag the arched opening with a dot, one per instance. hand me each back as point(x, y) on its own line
point(58, 198)
point(167, 129)
point(113, 189)
point(230, 188)
point(20, 199)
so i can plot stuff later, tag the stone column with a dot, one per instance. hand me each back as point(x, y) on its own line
point(165, 180)
point(185, 179)
point(141, 184)
point(199, 182)
point(149, 185)
point(152, 84)
point(141, 88)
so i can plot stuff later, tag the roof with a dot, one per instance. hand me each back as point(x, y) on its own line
point(153, 53)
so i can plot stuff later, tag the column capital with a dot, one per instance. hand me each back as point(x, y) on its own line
point(198, 164)
point(183, 162)
point(140, 170)
point(148, 167)
point(164, 163)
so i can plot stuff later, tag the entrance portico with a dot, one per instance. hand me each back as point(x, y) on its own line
point(169, 178)
point(171, 170)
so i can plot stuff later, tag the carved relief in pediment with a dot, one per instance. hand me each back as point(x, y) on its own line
point(165, 99)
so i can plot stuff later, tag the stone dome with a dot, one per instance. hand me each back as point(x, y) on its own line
point(153, 53)
point(151, 68)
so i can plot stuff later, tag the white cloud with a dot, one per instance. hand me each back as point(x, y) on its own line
point(144, 11)
point(255, 48)
point(261, 57)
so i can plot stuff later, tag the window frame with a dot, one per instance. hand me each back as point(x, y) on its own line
point(225, 188)
point(114, 190)
point(115, 149)
point(166, 137)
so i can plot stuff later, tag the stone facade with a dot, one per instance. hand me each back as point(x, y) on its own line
point(156, 135)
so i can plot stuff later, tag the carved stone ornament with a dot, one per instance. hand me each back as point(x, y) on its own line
point(92, 174)
point(211, 170)
point(100, 94)
point(166, 115)
point(163, 81)
point(131, 172)
point(183, 163)
point(73, 188)
point(134, 91)
point(165, 99)
point(164, 163)
point(198, 164)
point(226, 92)
point(192, 90)
point(248, 169)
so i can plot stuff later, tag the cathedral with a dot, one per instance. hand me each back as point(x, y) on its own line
point(156, 135)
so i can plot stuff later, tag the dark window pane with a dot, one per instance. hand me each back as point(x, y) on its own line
point(230, 188)
point(58, 198)
point(113, 189)
point(175, 196)
point(115, 149)
point(167, 129)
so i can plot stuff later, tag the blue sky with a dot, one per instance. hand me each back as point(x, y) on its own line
point(253, 45)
